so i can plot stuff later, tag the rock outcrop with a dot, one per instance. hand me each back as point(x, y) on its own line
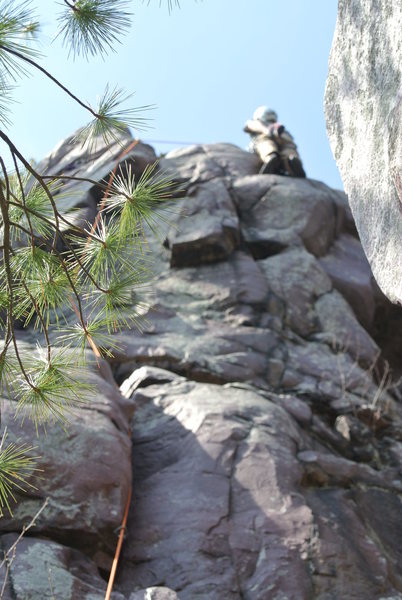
point(363, 105)
point(266, 441)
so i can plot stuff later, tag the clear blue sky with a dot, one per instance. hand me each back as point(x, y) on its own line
point(206, 66)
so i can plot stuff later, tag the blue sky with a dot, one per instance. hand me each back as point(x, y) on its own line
point(206, 66)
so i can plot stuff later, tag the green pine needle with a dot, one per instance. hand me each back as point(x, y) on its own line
point(32, 206)
point(52, 389)
point(41, 285)
point(9, 371)
point(111, 120)
point(121, 305)
point(16, 25)
point(91, 27)
point(16, 466)
point(4, 303)
point(100, 253)
point(97, 329)
point(5, 100)
point(139, 203)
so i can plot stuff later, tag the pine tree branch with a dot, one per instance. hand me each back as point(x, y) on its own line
point(9, 277)
point(23, 197)
point(36, 176)
point(38, 312)
point(59, 254)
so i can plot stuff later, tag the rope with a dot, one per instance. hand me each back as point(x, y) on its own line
point(175, 143)
point(118, 548)
point(124, 522)
point(97, 354)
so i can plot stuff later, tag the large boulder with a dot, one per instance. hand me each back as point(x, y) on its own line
point(281, 211)
point(41, 569)
point(363, 106)
point(233, 498)
point(266, 439)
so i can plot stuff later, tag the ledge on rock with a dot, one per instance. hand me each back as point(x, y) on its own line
point(208, 228)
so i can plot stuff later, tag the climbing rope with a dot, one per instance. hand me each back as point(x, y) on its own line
point(113, 570)
point(173, 143)
point(118, 548)
point(97, 354)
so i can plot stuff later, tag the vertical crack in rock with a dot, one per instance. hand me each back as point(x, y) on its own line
point(230, 517)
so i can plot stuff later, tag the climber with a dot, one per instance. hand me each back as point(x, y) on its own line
point(274, 145)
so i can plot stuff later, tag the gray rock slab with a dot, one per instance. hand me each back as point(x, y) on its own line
point(217, 523)
point(312, 308)
point(233, 499)
point(215, 288)
point(304, 283)
point(338, 322)
point(214, 351)
point(145, 376)
point(339, 568)
point(290, 212)
point(42, 569)
point(363, 107)
point(348, 268)
point(207, 229)
point(330, 375)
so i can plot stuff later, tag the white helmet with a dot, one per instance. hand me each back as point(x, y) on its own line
point(265, 114)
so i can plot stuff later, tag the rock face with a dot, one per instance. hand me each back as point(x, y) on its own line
point(363, 105)
point(70, 158)
point(266, 444)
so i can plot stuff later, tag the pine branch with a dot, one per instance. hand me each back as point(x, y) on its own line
point(91, 27)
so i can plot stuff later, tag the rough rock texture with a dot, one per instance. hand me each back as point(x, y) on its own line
point(44, 569)
point(363, 105)
point(266, 447)
point(232, 502)
point(154, 593)
point(85, 471)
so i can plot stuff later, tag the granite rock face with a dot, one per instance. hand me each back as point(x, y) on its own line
point(363, 105)
point(265, 449)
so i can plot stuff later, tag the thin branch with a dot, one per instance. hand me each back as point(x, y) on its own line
point(71, 5)
point(36, 176)
point(23, 196)
point(38, 312)
point(9, 556)
point(6, 261)
point(50, 76)
point(59, 254)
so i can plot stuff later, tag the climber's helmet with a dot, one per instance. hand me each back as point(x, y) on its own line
point(265, 114)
